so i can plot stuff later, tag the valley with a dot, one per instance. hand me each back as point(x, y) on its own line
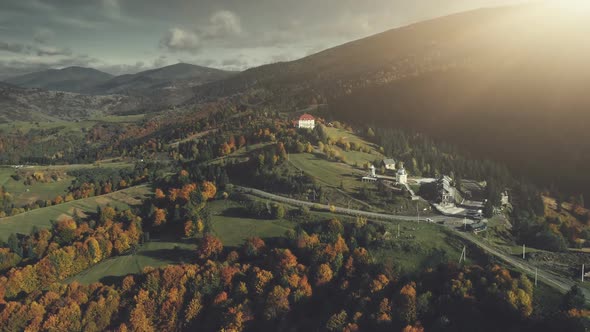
point(429, 177)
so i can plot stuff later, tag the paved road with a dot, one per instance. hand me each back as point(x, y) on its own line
point(559, 283)
point(340, 210)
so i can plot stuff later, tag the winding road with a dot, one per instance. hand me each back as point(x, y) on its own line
point(559, 283)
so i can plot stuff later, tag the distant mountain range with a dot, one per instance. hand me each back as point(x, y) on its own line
point(26, 104)
point(175, 76)
point(92, 81)
point(71, 79)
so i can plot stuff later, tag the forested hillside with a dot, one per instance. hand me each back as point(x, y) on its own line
point(492, 81)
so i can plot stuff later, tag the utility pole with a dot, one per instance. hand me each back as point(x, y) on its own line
point(536, 271)
point(463, 255)
point(398, 231)
point(582, 272)
point(523, 251)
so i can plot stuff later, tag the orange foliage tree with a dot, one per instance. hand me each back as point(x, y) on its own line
point(209, 246)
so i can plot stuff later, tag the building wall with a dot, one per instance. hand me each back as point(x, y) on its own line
point(403, 179)
point(307, 124)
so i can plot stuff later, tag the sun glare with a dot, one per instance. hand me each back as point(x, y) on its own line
point(573, 4)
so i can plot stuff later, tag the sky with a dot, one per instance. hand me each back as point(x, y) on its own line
point(127, 36)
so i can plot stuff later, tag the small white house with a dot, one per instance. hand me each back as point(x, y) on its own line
point(306, 121)
point(388, 164)
point(401, 176)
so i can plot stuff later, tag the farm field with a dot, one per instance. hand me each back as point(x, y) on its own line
point(41, 218)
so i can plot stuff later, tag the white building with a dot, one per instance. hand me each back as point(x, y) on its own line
point(389, 164)
point(306, 121)
point(401, 176)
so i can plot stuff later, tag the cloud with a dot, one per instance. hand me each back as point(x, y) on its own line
point(177, 39)
point(49, 50)
point(10, 67)
point(281, 58)
point(235, 63)
point(40, 50)
point(112, 9)
point(14, 47)
point(43, 35)
point(222, 24)
point(160, 61)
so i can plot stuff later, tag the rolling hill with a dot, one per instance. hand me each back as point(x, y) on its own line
point(494, 81)
point(73, 94)
point(20, 104)
point(174, 77)
point(71, 79)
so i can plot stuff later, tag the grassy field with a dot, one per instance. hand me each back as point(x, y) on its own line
point(412, 251)
point(233, 230)
point(110, 163)
point(336, 133)
point(24, 194)
point(41, 218)
point(71, 126)
point(327, 172)
point(354, 157)
point(154, 254)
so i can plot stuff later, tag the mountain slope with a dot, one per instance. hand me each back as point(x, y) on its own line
point(19, 104)
point(71, 79)
point(176, 76)
point(495, 81)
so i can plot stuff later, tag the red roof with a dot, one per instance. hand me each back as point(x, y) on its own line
point(305, 117)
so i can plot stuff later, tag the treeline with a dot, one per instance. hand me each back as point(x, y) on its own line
point(87, 183)
point(320, 277)
point(179, 205)
point(100, 181)
point(52, 255)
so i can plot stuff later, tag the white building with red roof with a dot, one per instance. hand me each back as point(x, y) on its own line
point(306, 121)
